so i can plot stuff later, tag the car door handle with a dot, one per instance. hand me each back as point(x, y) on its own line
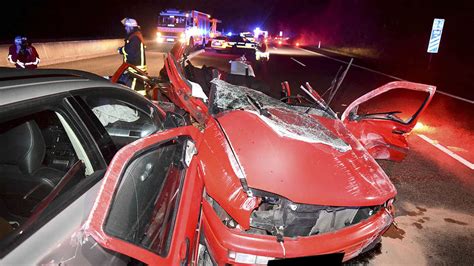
point(398, 132)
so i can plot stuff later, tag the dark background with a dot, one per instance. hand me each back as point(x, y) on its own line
point(395, 33)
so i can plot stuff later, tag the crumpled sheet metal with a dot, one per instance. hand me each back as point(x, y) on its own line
point(223, 174)
point(284, 119)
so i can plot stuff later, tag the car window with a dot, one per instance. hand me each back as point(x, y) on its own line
point(145, 205)
point(124, 120)
point(43, 158)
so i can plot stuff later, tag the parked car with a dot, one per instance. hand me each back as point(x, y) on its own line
point(236, 42)
point(219, 43)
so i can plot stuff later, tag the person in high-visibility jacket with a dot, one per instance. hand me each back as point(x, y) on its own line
point(133, 53)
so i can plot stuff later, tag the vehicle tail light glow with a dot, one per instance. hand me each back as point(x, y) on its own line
point(248, 258)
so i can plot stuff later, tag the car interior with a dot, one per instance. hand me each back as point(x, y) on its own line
point(36, 162)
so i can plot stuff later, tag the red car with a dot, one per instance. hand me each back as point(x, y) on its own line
point(264, 180)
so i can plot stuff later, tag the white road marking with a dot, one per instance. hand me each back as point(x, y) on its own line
point(455, 97)
point(447, 151)
point(297, 61)
point(383, 74)
point(193, 54)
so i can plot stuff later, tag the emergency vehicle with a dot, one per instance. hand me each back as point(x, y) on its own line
point(191, 27)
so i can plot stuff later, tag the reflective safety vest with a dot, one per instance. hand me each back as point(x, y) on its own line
point(134, 50)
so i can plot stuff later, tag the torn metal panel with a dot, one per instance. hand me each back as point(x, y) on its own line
point(223, 175)
point(384, 136)
point(181, 92)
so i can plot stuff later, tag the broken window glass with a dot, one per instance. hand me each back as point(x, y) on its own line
point(286, 120)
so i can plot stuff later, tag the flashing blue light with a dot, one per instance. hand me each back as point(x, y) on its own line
point(229, 33)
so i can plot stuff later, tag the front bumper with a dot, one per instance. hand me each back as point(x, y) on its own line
point(350, 240)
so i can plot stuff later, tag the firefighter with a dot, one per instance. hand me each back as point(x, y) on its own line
point(133, 53)
point(22, 54)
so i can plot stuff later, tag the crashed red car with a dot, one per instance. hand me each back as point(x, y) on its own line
point(281, 179)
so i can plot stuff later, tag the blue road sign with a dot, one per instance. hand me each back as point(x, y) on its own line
point(435, 38)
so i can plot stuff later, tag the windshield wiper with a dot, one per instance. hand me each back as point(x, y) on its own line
point(257, 105)
point(333, 90)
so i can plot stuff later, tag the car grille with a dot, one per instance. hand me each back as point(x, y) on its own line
point(279, 216)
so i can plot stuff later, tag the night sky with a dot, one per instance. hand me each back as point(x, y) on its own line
point(362, 19)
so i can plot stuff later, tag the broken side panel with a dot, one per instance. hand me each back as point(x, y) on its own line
point(224, 176)
point(383, 127)
point(181, 92)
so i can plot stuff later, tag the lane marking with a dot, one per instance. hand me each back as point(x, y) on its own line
point(297, 61)
point(455, 97)
point(447, 151)
point(383, 74)
point(193, 54)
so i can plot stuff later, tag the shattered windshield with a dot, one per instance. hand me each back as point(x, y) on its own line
point(286, 120)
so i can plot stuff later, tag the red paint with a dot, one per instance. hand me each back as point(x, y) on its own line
point(310, 173)
point(221, 181)
point(238, 146)
point(350, 240)
point(180, 93)
point(188, 212)
point(383, 138)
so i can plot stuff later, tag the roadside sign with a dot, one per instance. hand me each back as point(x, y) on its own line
point(435, 37)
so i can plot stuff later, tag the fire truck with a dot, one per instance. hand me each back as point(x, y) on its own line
point(191, 27)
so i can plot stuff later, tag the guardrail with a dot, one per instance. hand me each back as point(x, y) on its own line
point(61, 52)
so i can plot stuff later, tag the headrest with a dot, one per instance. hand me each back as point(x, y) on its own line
point(23, 146)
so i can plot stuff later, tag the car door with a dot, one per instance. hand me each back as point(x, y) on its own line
point(149, 205)
point(384, 133)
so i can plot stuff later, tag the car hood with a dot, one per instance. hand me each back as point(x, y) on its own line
point(306, 158)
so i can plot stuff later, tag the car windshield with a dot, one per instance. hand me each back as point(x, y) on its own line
point(290, 121)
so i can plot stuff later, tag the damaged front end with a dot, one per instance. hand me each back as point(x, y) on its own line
point(281, 229)
point(281, 217)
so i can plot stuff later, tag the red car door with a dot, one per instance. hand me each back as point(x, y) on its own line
point(383, 134)
point(149, 205)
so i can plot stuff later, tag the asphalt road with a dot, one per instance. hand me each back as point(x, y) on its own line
point(435, 182)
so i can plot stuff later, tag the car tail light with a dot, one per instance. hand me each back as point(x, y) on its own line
point(248, 258)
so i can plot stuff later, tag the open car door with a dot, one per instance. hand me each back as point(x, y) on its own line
point(383, 133)
point(149, 205)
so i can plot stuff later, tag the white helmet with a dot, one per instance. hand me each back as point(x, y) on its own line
point(129, 22)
